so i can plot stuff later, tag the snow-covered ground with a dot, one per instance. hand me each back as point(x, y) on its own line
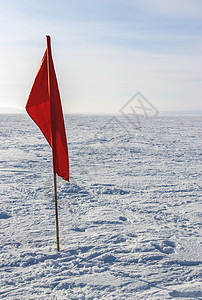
point(130, 219)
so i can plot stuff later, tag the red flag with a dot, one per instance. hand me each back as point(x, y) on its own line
point(44, 107)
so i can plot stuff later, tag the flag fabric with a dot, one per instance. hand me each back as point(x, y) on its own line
point(44, 107)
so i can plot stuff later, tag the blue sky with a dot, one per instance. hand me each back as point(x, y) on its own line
point(104, 52)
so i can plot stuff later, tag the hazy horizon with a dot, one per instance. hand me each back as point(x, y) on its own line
point(13, 110)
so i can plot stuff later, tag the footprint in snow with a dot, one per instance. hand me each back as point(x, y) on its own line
point(166, 247)
point(79, 229)
point(122, 218)
point(4, 215)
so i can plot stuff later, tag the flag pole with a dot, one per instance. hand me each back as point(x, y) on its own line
point(56, 213)
point(53, 141)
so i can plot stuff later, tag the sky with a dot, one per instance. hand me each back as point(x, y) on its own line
point(104, 52)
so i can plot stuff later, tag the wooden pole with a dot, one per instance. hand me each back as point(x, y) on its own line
point(56, 213)
point(53, 137)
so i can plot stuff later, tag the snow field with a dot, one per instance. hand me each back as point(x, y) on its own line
point(130, 218)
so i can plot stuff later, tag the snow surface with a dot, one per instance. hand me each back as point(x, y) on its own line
point(130, 219)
